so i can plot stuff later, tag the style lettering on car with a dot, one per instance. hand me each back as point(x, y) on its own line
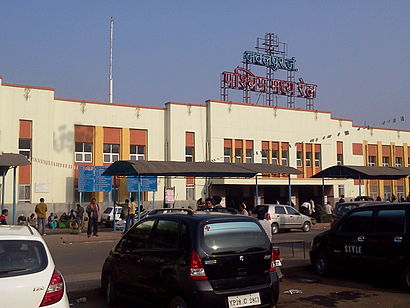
point(353, 249)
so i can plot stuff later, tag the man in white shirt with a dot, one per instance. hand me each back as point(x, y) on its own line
point(266, 225)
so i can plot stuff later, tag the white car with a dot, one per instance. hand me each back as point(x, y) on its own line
point(108, 215)
point(28, 277)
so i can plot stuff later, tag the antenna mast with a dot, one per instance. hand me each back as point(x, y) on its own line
point(110, 83)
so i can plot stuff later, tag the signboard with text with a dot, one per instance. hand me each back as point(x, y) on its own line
point(91, 180)
point(148, 183)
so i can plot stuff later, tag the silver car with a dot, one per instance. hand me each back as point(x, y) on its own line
point(283, 217)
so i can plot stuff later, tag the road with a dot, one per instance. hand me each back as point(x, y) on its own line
point(80, 260)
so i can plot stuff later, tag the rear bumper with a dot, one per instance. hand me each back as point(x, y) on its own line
point(202, 295)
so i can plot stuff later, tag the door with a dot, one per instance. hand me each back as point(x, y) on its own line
point(387, 242)
point(134, 247)
point(349, 243)
point(159, 261)
point(280, 216)
point(294, 217)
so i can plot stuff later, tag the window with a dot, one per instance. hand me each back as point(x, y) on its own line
point(275, 157)
point(357, 222)
point(292, 211)
point(137, 152)
point(285, 157)
point(390, 221)
point(227, 155)
point(236, 236)
point(165, 235)
point(308, 159)
point(400, 192)
point(137, 237)
point(339, 159)
point(83, 152)
point(372, 161)
point(399, 161)
point(279, 209)
point(111, 152)
point(299, 159)
point(386, 161)
point(318, 159)
point(190, 191)
point(25, 193)
point(249, 156)
point(25, 147)
point(341, 190)
point(387, 192)
point(189, 154)
point(374, 191)
point(238, 155)
point(264, 154)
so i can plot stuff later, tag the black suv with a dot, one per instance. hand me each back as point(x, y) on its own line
point(196, 259)
point(374, 236)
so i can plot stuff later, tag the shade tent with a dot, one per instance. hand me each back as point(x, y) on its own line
point(364, 172)
point(7, 161)
point(194, 169)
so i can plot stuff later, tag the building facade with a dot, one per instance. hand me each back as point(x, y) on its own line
point(59, 134)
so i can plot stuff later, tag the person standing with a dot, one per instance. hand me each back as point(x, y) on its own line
point(3, 216)
point(93, 211)
point(41, 211)
point(132, 207)
point(266, 225)
point(80, 216)
point(328, 208)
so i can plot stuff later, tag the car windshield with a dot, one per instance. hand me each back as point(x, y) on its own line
point(233, 237)
point(21, 257)
point(344, 208)
point(108, 210)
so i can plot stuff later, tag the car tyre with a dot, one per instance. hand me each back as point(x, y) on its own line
point(111, 293)
point(306, 226)
point(322, 265)
point(178, 302)
point(406, 277)
point(275, 228)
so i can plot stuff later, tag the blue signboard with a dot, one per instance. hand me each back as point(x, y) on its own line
point(90, 179)
point(148, 183)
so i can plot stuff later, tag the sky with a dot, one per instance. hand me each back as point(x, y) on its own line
point(357, 52)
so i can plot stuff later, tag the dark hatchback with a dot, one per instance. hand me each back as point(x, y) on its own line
point(375, 237)
point(194, 260)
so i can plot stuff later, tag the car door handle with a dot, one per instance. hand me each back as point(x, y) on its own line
point(361, 238)
point(397, 239)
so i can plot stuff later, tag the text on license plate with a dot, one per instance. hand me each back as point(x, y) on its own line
point(244, 300)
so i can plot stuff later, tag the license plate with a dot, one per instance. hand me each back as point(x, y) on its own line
point(244, 300)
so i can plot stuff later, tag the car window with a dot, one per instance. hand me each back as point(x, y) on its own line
point(292, 211)
point(390, 221)
point(356, 222)
point(165, 234)
point(233, 236)
point(279, 210)
point(118, 210)
point(184, 237)
point(108, 210)
point(21, 257)
point(138, 236)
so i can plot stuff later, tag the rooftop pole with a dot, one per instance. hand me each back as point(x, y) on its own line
point(110, 81)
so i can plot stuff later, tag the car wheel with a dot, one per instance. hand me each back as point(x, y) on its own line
point(178, 302)
point(406, 277)
point(306, 226)
point(275, 228)
point(111, 292)
point(323, 265)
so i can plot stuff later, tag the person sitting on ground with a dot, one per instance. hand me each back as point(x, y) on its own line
point(32, 221)
point(22, 220)
point(3, 216)
point(63, 222)
point(52, 221)
point(71, 216)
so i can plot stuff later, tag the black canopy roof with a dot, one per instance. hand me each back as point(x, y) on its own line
point(196, 169)
point(364, 172)
point(8, 160)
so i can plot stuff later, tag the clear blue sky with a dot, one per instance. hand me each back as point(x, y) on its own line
point(358, 52)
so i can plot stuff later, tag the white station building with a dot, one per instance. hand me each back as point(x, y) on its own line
point(59, 134)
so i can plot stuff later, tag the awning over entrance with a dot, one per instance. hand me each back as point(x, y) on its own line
point(7, 161)
point(364, 172)
point(196, 169)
